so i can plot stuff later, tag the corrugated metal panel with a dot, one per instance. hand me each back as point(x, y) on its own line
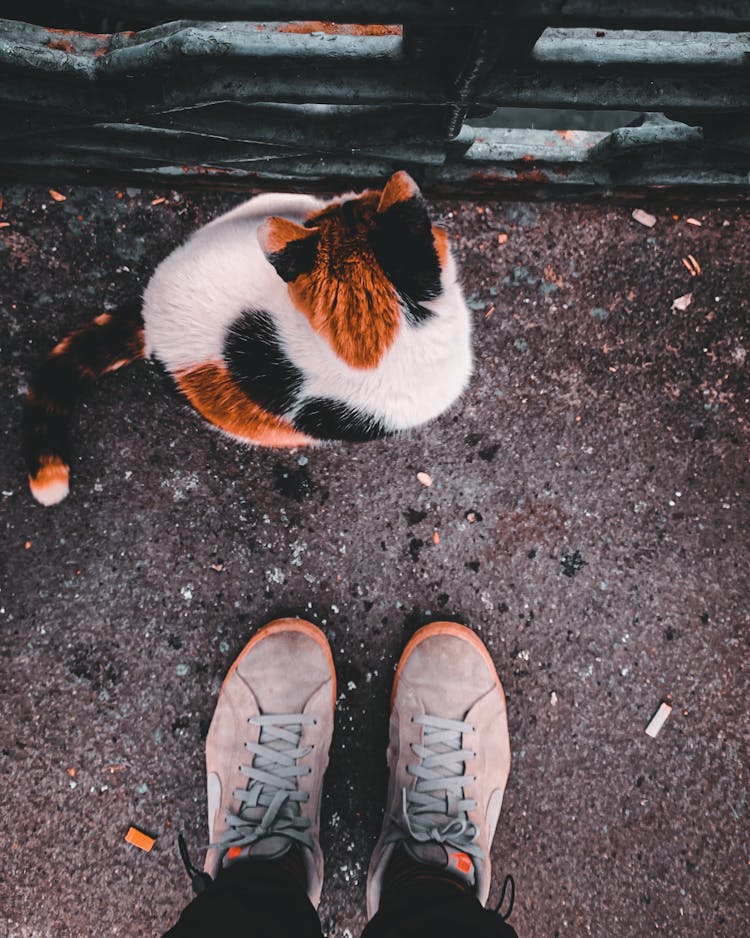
point(271, 103)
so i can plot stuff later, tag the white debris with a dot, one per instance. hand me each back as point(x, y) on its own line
point(553, 699)
point(682, 302)
point(658, 720)
point(424, 478)
point(644, 218)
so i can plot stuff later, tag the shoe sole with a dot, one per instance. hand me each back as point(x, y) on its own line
point(445, 628)
point(287, 625)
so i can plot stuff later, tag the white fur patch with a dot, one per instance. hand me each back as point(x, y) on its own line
point(50, 494)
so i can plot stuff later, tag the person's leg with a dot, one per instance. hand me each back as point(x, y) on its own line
point(253, 899)
point(449, 759)
point(266, 754)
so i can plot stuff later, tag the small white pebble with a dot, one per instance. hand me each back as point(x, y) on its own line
point(658, 720)
point(424, 479)
point(553, 699)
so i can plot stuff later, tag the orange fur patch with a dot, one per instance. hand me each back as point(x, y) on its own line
point(118, 364)
point(442, 244)
point(51, 481)
point(348, 298)
point(399, 188)
point(275, 233)
point(214, 394)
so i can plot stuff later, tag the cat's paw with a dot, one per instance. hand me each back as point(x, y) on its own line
point(51, 483)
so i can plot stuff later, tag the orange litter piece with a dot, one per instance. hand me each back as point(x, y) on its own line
point(139, 839)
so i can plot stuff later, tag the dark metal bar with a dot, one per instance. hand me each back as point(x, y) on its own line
point(655, 14)
point(500, 163)
point(162, 145)
point(653, 90)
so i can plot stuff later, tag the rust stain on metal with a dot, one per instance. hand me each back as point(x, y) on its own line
point(207, 170)
point(532, 175)
point(341, 29)
point(509, 175)
point(61, 45)
point(77, 32)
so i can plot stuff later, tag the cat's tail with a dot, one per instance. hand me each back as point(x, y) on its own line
point(108, 342)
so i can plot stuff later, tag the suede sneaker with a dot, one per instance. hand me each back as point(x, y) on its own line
point(448, 756)
point(267, 750)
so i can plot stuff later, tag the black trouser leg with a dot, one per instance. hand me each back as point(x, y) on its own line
point(250, 900)
point(435, 907)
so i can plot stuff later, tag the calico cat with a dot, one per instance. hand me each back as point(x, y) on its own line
point(286, 321)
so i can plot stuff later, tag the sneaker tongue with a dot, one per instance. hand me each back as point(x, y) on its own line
point(455, 862)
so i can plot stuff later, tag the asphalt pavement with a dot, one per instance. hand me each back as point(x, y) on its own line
point(588, 517)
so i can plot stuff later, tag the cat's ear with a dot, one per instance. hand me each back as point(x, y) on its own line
point(401, 191)
point(403, 207)
point(290, 247)
point(406, 246)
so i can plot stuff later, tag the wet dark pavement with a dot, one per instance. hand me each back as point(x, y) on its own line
point(588, 517)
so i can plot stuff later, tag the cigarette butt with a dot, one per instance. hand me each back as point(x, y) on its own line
point(57, 196)
point(645, 218)
point(658, 720)
point(139, 839)
point(435, 537)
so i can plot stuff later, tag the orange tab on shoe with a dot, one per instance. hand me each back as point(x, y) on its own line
point(461, 862)
point(233, 853)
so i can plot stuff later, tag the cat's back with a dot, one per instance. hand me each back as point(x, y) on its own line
point(204, 285)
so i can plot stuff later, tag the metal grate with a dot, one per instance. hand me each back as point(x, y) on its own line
point(252, 103)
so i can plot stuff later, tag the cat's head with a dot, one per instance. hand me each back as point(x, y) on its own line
point(355, 264)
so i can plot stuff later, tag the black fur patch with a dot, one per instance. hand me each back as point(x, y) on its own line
point(98, 346)
point(414, 313)
point(256, 360)
point(403, 244)
point(297, 257)
point(56, 386)
point(327, 419)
